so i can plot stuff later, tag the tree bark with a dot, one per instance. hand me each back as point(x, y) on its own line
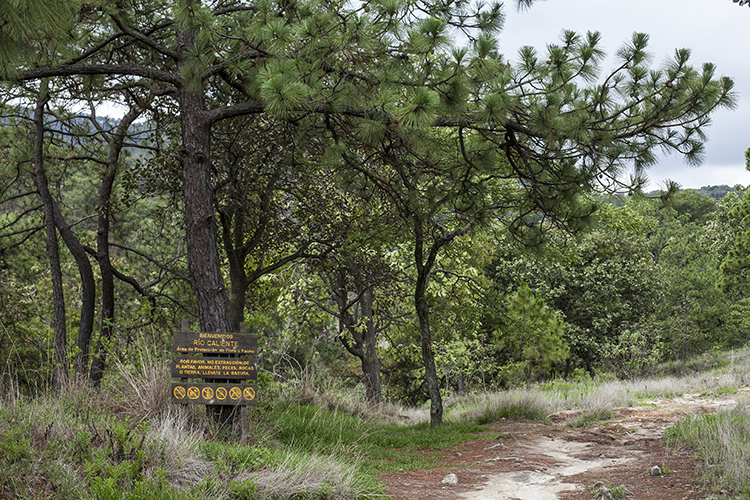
point(200, 222)
point(88, 284)
point(106, 328)
point(60, 371)
point(424, 268)
point(370, 362)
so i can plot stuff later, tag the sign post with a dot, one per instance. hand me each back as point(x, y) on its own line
point(222, 361)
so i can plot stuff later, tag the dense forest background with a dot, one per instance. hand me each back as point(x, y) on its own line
point(651, 280)
point(379, 204)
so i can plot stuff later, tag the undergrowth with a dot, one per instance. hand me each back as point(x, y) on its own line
point(722, 440)
point(321, 442)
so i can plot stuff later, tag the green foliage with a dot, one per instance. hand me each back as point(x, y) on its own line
point(599, 282)
point(534, 336)
point(235, 458)
point(693, 307)
point(636, 353)
point(723, 441)
point(735, 267)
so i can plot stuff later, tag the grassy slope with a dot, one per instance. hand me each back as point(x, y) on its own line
point(126, 442)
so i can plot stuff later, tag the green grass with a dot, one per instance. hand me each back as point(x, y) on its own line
point(123, 442)
point(386, 446)
point(722, 440)
point(589, 418)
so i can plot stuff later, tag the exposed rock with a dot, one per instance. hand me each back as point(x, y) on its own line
point(450, 479)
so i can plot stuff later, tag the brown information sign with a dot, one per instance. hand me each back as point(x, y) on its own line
point(244, 344)
point(221, 368)
point(214, 394)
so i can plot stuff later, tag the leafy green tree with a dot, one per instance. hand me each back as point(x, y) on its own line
point(356, 283)
point(536, 335)
point(694, 314)
point(735, 266)
point(598, 281)
point(693, 204)
point(384, 76)
point(294, 212)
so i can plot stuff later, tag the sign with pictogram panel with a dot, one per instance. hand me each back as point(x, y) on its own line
point(221, 361)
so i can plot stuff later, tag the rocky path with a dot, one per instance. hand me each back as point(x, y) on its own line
point(532, 461)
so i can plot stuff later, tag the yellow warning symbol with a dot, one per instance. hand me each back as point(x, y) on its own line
point(249, 393)
point(235, 393)
point(207, 393)
point(193, 393)
point(179, 392)
point(221, 393)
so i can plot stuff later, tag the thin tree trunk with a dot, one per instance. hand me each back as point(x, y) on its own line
point(102, 246)
point(423, 316)
point(370, 361)
point(60, 372)
point(88, 284)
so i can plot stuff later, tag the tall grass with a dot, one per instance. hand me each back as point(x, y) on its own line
point(723, 441)
point(317, 437)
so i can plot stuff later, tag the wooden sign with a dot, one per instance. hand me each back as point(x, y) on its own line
point(228, 362)
point(243, 344)
point(221, 368)
point(214, 394)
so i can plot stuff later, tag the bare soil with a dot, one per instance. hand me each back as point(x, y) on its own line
point(532, 461)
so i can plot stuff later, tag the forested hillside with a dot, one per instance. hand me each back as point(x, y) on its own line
point(409, 215)
point(400, 213)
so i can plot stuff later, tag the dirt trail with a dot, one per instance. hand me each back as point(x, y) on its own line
point(532, 461)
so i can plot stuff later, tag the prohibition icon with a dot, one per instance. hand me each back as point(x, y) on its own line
point(207, 393)
point(193, 392)
point(179, 392)
point(221, 393)
point(235, 393)
point(249, 393)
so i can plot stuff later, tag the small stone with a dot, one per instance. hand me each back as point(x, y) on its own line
point(450, 479)
point(656, 471)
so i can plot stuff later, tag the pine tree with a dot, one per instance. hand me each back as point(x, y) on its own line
point(735, 268)
point(538, 331)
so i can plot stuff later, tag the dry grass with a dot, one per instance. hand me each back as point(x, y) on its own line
point(511, 404)
point(598, 398)
point(142, 383)
point(309, 476)
point(723, 441)
point(178, 437)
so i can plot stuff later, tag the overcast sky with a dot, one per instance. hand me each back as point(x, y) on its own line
point(716, 31)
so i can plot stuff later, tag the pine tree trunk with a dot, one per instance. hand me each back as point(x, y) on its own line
point(88, 284)
point(60, 372)
point(201, 231)
point(370, 361)
point(200, 221)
